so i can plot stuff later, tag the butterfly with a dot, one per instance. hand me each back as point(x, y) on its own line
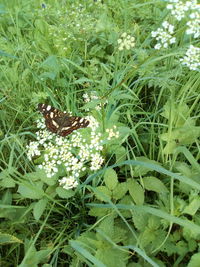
point(60, 122)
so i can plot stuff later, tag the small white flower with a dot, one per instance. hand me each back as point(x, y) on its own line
point(33, 150)
point(68, 182)
point(126, 42)
point(96, 162)
point(194, 24)
point(192, 58)
point(112, 133)
point(164, 36)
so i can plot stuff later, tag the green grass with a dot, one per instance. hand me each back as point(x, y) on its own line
point(141, 208)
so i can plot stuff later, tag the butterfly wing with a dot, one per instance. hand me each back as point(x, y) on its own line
point(60, 122)
point(71, 124)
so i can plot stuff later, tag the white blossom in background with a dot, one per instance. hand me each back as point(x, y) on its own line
point(72, 154)
point(93, 96)
point(112, 133)
point(126, 42)
point(164, 36)
point(179, 8)
point(194, 24)
point(192, 58)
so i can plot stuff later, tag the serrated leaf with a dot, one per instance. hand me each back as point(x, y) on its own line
point(192, 207)
point(98, 212)
point(64, 193)
point(107, 226)
point(112, 257)
point(102, 193)
point(39, 208)
point(136, 191)
point(154, 184)
point(31, 191)
point(120, 190)
point(110, 179)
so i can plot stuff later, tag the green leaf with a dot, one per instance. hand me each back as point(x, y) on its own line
point(154, 184)
point(142, 170)
point(112, 257)
point(120, 153)
point(194, 261)
point(136, 191)
point(193, 206)
point(120, 190)
point(39, 208)
point(64, 193)
point(31, 191)
point(98, 212)
point(110, 179)
point(6, 179)
point(7, 183)
point(107, 226)
point(102, 193)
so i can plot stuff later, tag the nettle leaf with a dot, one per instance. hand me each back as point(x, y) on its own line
point(140, 219)
point(64, 193)
point(194, 261)
point(120, 190)
point(136, 191)
point(110, 179)
point(107, 226)
point(154, 184)
point(32, 191)
point(39, 208)
point(102, 193)
point(193, 206)
point(142, 170)
point(112, 257)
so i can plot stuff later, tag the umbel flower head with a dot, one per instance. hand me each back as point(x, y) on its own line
point(192, 58)
point(164, 36)
point(126, 42)
point(78, 152)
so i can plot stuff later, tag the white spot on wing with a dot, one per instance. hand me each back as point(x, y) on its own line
point(51, 115)
point(65, 128)
point(55, 124)
point(48, 108)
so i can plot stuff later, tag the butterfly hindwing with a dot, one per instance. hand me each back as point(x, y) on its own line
point(60, 122)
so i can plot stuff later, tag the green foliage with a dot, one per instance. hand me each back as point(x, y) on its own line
point(142, 207)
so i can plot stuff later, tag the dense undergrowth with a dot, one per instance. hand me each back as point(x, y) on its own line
point(124, 191)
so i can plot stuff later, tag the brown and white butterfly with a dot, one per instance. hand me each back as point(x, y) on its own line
point(60, 122)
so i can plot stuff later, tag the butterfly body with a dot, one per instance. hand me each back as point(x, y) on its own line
point(60, 122)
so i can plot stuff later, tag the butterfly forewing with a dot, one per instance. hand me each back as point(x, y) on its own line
point(60, 122)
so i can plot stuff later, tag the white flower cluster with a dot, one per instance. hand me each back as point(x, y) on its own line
point(93, 96)
point(194, 24)
point(126, 42)
point(73, 154)
point(182, 10)
point(192, 58)
point(112, 133)
point(179, 8)
point(164, 36)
